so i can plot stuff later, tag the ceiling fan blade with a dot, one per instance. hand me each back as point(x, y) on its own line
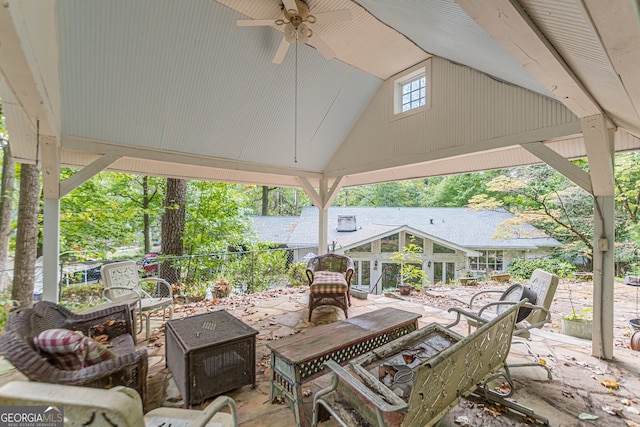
point(333, 16)
point(290, 5)
point(281, 52)
point(255, 22)
point(322, 47)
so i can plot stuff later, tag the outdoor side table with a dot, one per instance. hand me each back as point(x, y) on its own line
point(209, 354)
point(300, 357)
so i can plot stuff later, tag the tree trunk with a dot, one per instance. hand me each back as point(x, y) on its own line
point(173, 222)
point(27, 235)
point(145, 215)
point(6, 207)
point(265, 200)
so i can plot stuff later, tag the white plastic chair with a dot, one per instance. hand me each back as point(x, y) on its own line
point(122, 284)
point(119, 406)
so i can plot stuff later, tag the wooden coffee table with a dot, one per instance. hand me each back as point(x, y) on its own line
point(298, 358)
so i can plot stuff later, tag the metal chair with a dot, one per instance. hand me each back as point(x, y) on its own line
point(122, 284)
point(543, 285)
point(330, 281)
point(119, 406)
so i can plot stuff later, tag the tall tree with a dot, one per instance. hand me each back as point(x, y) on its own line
point(27, 235)
point(173, 223)
point(6, 201)
point(217, 218)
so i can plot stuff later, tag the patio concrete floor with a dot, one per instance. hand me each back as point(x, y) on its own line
point(575, 388)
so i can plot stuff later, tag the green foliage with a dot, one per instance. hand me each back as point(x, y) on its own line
point(584, 315)
point(81, 297)
point(410, 260)
point(216, 218)
point(6, 305)
point(104, 213)
point(262, 269)
point(297, 274)
point(523, 269)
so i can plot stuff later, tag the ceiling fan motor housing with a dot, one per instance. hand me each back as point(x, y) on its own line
point(298, 18)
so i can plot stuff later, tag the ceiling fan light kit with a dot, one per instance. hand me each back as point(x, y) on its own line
point(296, 26)
point(296, 30)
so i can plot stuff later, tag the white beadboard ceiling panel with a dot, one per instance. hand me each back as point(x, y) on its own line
point(178, 89)
point(442, 28)
point(569, 27)
point(149, 87)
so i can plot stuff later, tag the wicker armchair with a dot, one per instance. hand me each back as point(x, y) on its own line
point(330, 281)
point(129, 368)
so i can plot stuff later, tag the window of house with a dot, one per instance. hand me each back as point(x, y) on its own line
point(411, 91)
point(414, 240)
point(362, 248)
point(390, 243)
point(488, 261)
point(439, 249)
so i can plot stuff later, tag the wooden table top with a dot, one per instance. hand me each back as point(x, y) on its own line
point(315, 342)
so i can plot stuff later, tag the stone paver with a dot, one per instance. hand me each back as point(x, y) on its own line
point(575, 387)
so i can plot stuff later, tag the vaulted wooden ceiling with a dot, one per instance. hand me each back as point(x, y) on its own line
point(178, 89)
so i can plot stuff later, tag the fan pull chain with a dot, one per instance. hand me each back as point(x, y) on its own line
point(295, 125)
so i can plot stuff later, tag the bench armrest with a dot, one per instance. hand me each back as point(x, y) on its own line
point(215, 407)
point(476, 295)
point(341, 374)
point(167, 292)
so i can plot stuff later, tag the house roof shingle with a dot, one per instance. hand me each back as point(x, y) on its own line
point(460, 226)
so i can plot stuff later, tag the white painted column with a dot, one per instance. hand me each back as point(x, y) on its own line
point(603, 274)
point(599, 143)
point(323, 219)
point(51, 220)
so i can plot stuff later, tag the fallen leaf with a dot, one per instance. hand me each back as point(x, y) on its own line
point(463, 421)
point(612, 411)
point(609, 383)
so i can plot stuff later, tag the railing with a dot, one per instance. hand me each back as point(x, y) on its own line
point(245, 271)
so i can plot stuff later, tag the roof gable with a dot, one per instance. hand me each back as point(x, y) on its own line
point(459, 227)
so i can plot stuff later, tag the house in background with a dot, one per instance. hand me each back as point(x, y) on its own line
point(453, 241)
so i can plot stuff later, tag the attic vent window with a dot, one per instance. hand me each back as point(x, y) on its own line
point(346, 223)
point(411, 91)
point(413, 94)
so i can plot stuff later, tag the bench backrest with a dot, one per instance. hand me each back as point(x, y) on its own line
point(123, 275)
point(456, 371)
point(544, 284)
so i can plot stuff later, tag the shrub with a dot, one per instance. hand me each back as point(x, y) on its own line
point(523, 269)
point(6, 305)
point(297, 274)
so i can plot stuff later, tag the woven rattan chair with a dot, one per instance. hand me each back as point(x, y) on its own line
point(129, 368)
point(122, 284)
point(330, 281)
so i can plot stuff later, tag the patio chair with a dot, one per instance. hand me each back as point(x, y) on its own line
point(540, 291)
point(120, 406)
point(75, 359)
point(122, 283)
point(330, 281)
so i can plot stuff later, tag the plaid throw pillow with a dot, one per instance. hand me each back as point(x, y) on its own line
point(71, 350)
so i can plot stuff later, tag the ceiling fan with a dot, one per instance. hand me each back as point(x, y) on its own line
point(296, 18)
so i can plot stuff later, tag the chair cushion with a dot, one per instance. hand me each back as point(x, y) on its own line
point(71, 350)
point(328, 282)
